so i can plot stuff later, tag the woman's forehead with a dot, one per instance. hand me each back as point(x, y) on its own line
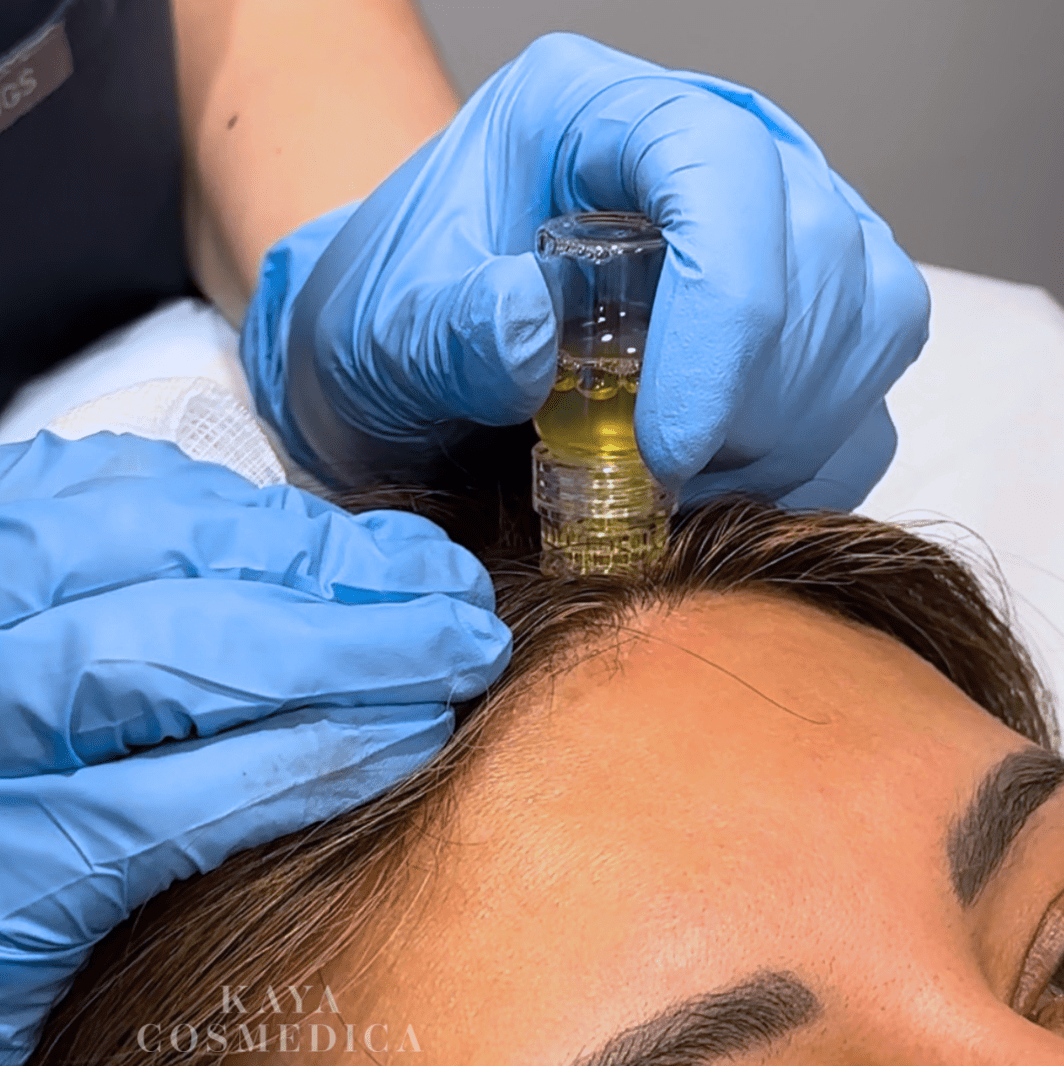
point(741, 757)
point(753, 772)
point(745, 700)
point(739, 786)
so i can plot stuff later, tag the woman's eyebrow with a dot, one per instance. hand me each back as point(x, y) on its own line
point(743, 1018)
point(978, 841)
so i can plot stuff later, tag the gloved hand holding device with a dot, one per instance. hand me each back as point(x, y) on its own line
point(301, 659)
point(383, 334)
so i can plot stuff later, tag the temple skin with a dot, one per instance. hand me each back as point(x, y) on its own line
point(742, 785)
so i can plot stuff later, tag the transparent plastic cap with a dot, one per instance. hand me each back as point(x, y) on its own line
point(600, 509)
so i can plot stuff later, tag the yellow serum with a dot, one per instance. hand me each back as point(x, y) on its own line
point(590, 410)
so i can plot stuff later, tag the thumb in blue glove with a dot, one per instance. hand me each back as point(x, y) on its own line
point(381, 336)
point(299, 660)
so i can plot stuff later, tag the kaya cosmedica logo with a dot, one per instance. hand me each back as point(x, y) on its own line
point(307, 1028)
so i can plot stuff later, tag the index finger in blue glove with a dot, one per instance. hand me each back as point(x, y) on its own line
point(97, 677)
point(711, 175)
point(842, 480)
point(782, 292)
point(857, 317)
point(896, 308)
point(82, 850)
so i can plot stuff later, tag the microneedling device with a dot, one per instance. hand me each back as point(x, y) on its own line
point(600, 510)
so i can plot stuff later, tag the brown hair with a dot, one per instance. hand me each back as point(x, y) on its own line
point(291, 905)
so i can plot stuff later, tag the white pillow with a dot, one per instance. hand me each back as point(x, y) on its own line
point(186, 338)
point(981, 441)
point(172, 375)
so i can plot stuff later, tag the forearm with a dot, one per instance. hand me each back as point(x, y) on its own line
point(289, 109)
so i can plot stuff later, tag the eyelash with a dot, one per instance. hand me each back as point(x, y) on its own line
point(1048, 1012)
point(1056, 982)
point(1039, 995)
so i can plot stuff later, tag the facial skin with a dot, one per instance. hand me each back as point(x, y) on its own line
point(742, 792)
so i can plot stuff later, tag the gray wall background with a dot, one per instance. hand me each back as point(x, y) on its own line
point(947, 115)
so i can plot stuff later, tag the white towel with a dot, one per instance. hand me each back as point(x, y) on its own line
point(204, 420)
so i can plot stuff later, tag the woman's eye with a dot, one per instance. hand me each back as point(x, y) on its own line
point(1049, 1011)
point(1039, 994)
point(1056, 982)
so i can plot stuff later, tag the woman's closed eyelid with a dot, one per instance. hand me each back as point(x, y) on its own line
point(1043, 960)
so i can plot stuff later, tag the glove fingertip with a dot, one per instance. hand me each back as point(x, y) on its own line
point(676, 437)
point(506, 335)
point(490, 646)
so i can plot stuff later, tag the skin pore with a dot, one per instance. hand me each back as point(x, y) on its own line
point(744, 813)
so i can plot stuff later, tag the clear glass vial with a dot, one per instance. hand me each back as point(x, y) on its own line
point(600, 509)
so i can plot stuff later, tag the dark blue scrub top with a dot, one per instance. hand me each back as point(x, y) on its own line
point(90, 179)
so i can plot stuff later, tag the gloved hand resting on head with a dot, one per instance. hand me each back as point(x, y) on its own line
point(301, 660)
point(383, 333)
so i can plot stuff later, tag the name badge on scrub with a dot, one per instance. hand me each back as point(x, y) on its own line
point(34, 71)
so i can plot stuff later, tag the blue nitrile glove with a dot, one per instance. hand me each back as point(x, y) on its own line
point(303, 658)
point(381, 333)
